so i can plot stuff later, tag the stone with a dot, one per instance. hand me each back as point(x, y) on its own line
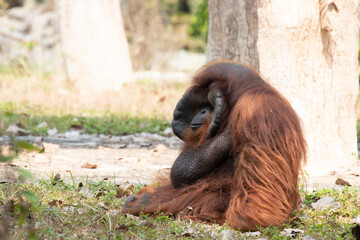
point(72, 134)
point(17, 131)
point(253, 234)
point(52, 132)
point(291, 232)
point(42, 125)
point(307, 237)
point(326, 202)
point(168, 132)
point(226, 235)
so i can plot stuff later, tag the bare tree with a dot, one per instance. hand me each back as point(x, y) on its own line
point(93, 43)
point(308, 51)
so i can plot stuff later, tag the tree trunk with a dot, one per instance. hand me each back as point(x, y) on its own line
point(93, 42)
point(308, 51)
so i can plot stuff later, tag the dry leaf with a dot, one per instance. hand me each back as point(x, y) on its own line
point(124, 189)
point(162, 99)
point(55, 203)
point(8, 207)
point(89, 166)
point(342, 182)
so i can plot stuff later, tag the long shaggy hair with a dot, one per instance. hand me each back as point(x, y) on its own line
point(257, 188)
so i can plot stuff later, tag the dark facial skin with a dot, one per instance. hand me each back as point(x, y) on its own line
point(202, 117)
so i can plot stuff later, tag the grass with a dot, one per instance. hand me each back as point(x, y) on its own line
point(111, 124)
point(52, 209)
point(29, 99)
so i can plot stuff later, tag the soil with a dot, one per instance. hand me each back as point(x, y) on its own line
point(129, 164)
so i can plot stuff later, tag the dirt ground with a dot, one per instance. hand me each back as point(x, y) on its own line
point(139, 165)
point(134, 165)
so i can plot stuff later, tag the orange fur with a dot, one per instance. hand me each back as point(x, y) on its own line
point(260, 187)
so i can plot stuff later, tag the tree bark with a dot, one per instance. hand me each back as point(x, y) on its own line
point(308, 51)
point(93, 42)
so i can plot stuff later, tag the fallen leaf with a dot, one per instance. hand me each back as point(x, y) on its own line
point(57, 179)
point(342, 182)
point(162, 99)
point(89, 166)
point(11, 165)
point(124, 190)
point(28, 146)
point(55, 203)
point(76, 127)
point(8, 207)
point(99, 194)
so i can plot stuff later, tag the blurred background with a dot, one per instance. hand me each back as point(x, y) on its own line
point(119, 66)
point(41, 78)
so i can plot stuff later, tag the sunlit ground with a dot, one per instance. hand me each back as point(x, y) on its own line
point(50, 95)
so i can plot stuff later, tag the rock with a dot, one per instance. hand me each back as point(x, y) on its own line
point(52, 132)
point(157, 137)
point(72, 134)
point(174, 141)
point(342, 182)
point(145, 144)
point(15, 130)
point(291, 232)
point(253, 234)
point(42, 125)
point(326, 202)
point(115, 138)
point(139, 140)
point(168, 132)
point(128, 138)
point(307, 237)
point(116, 146)
point(133, 146)
point(191, 232)
point(103, 136)
point(226, 235)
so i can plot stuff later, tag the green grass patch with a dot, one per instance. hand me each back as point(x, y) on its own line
point(52, 209)
point(111, 124)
